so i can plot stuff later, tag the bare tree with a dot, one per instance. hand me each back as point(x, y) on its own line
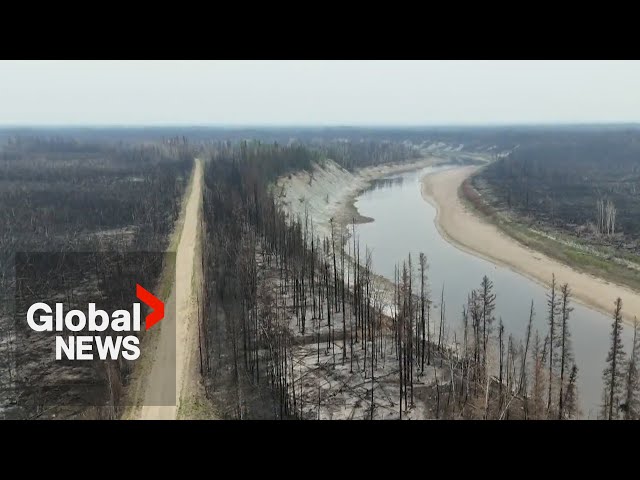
point(600, 215)
point(605, 217)
point(610, 214)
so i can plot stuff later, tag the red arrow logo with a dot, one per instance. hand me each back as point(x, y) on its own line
point(152, 301)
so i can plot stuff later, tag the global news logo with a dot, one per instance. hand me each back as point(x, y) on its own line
point(76, 345)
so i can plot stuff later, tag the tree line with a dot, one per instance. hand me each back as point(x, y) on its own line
point(587, 179)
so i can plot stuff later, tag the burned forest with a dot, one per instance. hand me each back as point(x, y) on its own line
point(287, 314)
point(294, 324)
point(80, 220)
point(319, 240)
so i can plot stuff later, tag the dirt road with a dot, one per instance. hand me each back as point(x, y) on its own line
point(469, 232)
point(173, 359)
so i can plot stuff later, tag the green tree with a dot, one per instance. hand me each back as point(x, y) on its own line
point(553, 302)
point(632, 379)
point(564, 343)
point(570, 405)
point(613, 374)
point(488, 300)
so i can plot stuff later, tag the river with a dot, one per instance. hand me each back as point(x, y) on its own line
point(404, 223)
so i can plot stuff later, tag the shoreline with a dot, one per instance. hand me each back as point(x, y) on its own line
point(344, 187)
point(347, 206)
point(345, 209)
point(335, 198)
point(467, 231)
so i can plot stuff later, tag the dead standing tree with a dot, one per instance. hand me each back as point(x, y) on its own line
point(605, 217)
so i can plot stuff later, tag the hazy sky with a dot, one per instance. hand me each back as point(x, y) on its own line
point(317, 92)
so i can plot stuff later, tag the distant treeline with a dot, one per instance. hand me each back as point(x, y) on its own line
point(54, 192)
point(473, 137)
point(561, 178)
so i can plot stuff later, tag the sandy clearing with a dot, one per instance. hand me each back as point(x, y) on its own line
point(467, 231)
point(182, 300)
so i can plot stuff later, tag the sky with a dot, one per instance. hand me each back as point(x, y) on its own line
point(325, 93)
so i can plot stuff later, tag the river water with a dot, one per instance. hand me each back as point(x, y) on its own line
point(404, 223)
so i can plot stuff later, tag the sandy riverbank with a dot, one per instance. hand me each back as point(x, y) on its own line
point(329, 192)
point(470, 233)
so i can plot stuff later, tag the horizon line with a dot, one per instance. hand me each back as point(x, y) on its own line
point(241, 126)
